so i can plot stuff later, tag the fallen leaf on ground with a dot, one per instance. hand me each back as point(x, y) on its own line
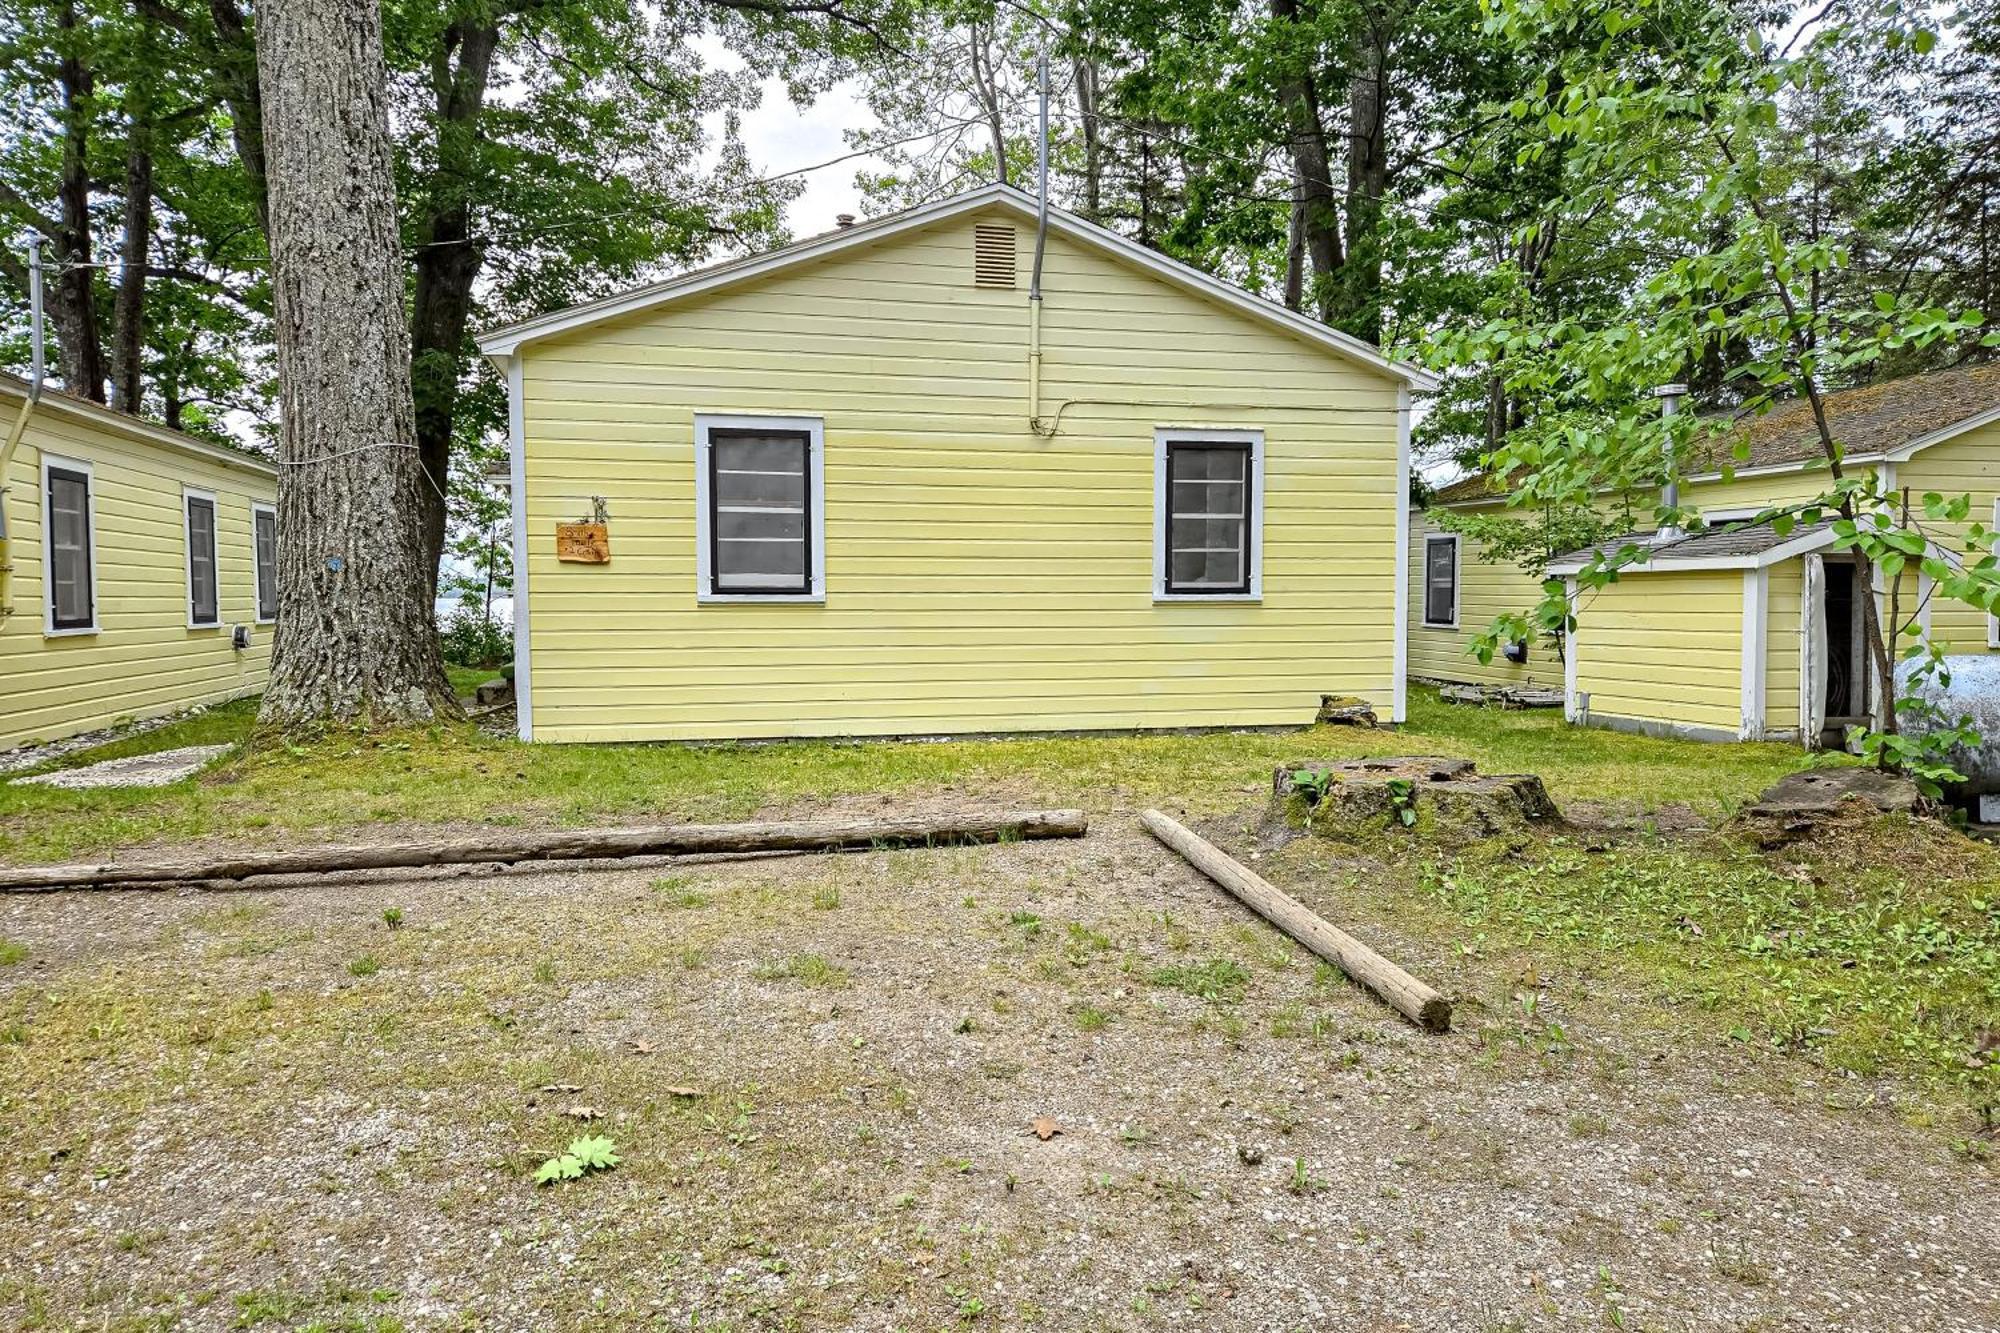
point(1044, 1128)
point(581, 1112)
point(562, 1087)
point(683, 1092)
point(640, 1046)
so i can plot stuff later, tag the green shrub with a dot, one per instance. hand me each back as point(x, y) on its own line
point(469, 639)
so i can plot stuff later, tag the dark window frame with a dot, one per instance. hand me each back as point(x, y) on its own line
point(57, 623)
point(1247, 517)
point(189, 499)
point(804, 588)
point(1437, 539)
point(259, 567)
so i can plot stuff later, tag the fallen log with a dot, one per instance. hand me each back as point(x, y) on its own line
point(565, 845)
point(1401, 991)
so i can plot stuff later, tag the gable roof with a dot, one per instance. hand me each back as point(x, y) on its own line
point(505, 341)
point(13, 387)
point(1874, 422)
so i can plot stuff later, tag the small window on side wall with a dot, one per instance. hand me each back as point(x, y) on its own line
point(761, 534)
point(204, 605)
point(1441, 581)
point(1208, 512)
point(71, 596)
point(264, 545)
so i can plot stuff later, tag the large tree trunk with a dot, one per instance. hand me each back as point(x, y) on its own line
point(1316, 209)
point(73, 300)
point(128, 325)
point(447, 265)
point(1359, 309)
point(1093, 139)
point(355, 637)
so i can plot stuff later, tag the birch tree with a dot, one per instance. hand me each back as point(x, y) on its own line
point(356, 640)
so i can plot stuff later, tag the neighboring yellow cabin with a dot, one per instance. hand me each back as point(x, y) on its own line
point(1668, 648)
point(155, 566)
point(827, 513)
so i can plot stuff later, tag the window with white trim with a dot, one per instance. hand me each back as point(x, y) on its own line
point(1441, 581)
point(760, 526)
point(264, 548)
point(1209, 506)
point(204, 604)
point(71, 594)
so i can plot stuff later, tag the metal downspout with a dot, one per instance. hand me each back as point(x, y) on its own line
point(38, 374)
point(1041, 240)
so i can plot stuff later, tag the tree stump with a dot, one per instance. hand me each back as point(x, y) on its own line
point(1450, 799)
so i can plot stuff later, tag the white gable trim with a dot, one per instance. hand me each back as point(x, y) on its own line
point(504, 342)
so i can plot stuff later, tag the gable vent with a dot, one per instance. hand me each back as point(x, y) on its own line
point(992, 255)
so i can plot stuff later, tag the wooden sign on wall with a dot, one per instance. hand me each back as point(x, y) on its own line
point(583, 543)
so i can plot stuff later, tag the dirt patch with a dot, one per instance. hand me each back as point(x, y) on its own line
point(269, 1108)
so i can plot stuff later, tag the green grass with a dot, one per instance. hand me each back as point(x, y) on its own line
point(457, 775)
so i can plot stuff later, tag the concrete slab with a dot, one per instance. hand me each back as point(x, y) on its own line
point(139, 770)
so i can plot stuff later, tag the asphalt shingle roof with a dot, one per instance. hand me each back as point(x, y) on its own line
point(1729, 541)
point(1868, 421)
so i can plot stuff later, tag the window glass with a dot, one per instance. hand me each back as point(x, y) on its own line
point(1208, 518)
point(69, 550)
point(760, 520)
point(202, 608)
point(1440, 581)
point(267, 565)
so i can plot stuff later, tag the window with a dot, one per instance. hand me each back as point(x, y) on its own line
point(1208, 503)
point(1441, 581)
point(203, 609)
point(758, 483)
point(264, 545)
point(67, 520)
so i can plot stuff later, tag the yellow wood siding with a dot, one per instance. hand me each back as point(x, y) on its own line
point(1485, 591)
point(1784, 606)
point(144, 660)
point(977, 577)
point(1969, 464)
point(1664, 648)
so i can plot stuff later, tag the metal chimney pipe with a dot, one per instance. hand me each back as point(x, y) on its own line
point(40, 362)
point(1041, 172)
point(1670, 396)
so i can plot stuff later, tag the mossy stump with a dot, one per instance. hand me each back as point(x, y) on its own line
point(1451, 800)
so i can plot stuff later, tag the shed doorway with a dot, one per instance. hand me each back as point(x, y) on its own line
point(1840, 682)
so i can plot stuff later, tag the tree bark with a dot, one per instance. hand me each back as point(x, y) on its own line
point(567, 845)
point(448, 264)
point(73, 298)
point(128, 322)
point(1093, 140)
point(356, 638)
point(1316, 209)
point(1360, 301)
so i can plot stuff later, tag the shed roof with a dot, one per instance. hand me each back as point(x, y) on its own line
point(503, 342)
point(1872, 421)
point(1746, 545)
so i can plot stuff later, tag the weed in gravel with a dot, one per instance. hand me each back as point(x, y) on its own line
point(392, 917)
point(827, 899)
point(693, 958)
point(679, 891)
point(367, 965)
point(11, 952)
point(1219, 980)
point(1288, 1020)
point(1083, 942)
point(1588, 1125)
point(1301, 1181)
point(1091, 1019)
point(808, 969)
point(1030, 924)
point(545, 970)
point(1177, 937)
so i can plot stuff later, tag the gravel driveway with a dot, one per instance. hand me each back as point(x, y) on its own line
point(272, 1109)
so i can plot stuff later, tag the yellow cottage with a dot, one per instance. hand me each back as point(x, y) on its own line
point(869, 484)
point(1734, 632)
point(138, 572)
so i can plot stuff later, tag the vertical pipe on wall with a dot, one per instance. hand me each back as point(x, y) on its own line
point(1670, 396)
point(1041, 242)
point(39, 371)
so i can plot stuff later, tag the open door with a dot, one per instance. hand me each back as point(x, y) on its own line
point(1841, 683)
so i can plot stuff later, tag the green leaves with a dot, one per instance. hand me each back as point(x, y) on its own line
point(591, 1153)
